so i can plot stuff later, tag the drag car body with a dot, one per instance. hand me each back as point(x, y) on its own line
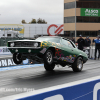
point(50, 50)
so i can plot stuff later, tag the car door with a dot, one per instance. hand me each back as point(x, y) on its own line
point(69, 50)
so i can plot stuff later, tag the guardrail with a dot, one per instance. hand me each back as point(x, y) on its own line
point(87, 89)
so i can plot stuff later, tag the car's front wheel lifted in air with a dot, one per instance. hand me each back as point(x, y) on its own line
point(77, 65)
point(48, 60)
point(17, 58)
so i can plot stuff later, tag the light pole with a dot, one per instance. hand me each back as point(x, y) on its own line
point(5, 35)
point(75, 20)
point(42, 30)
point(29, 31)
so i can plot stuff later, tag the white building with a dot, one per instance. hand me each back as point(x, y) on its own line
point(29, 30)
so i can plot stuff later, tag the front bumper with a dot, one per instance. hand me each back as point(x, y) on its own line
point(34, 50)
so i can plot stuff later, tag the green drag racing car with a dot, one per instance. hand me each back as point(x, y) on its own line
point(50, 50)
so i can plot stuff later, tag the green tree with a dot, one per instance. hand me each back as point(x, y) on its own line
point(23, 21)
point(41, 21)
point(33, 21)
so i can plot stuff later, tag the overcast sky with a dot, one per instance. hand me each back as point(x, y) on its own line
point(13, 11)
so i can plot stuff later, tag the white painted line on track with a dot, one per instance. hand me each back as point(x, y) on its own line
point(5, 56)
point(20, 67)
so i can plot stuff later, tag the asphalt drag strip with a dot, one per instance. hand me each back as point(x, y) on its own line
point(27, 78)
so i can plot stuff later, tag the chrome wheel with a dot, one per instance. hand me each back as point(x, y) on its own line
point(49, 57)
point(80, 64)
point(77, 65)
point(49, 64)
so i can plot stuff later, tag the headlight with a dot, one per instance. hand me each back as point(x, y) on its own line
point(12, 44)
point(35, 44)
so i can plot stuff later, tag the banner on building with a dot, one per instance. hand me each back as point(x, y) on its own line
point(11, 30)
point(90, 12)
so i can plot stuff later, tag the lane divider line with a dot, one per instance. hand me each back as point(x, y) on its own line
point(20, 67)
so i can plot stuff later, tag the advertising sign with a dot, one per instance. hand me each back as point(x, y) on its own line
point(33, 30)
point(57, 31)
point(6, 62)
point(4, 50)
point(90, 12)
point(6, 29)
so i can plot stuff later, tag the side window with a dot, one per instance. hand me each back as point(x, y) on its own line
point(67, 43)
point(64, 42)
point(73, 45)
point(70, 45)
point(56, 40)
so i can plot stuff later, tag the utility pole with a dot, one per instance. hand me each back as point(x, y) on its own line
point(75, 20)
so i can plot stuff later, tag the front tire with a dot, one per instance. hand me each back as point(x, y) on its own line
point(17, 58)
point(48, 60)
point(77, 65)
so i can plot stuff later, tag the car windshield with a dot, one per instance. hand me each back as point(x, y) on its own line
point(51, 39)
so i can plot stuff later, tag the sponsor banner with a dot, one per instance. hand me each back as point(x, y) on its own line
point(57, 31)
point(5, 62)
point(33, 30)
point(4, 50)
point(15, 29)
point(11, 30)
point(90, 12)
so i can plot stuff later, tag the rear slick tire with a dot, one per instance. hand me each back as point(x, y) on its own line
point(49, 67)
point(77, 65)
point(48, 61)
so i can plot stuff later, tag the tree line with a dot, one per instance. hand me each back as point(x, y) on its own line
point(34, 21)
